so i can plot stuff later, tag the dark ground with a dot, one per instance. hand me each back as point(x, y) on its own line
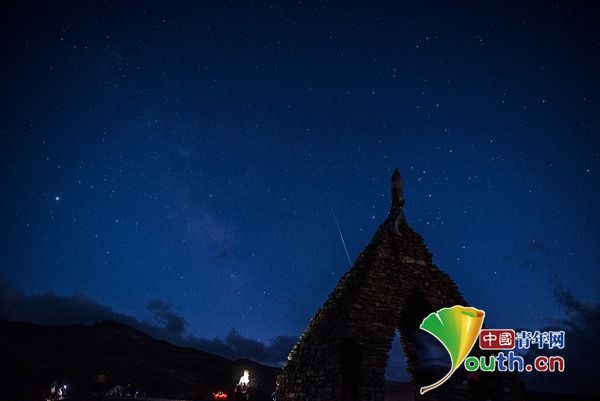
point(93, 359)
point(33, 356)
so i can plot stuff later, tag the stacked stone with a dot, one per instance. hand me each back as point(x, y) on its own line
point(343, 353)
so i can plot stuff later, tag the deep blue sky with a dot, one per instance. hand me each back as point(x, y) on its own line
point(190, 152)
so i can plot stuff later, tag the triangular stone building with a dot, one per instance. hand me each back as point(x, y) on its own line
point(392, 285)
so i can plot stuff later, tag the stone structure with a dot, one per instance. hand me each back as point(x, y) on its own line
point(392, 285)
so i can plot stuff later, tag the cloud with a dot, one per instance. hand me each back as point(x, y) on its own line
point(164, 315)
point(533, 254)
point(166, 324)
point(51, 309)
point(581, 326)
point(234, 345)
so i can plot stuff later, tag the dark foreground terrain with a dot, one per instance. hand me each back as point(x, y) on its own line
point(396, 391)
point(93, 359)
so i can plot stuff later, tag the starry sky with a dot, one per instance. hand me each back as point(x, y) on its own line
point(196, 152)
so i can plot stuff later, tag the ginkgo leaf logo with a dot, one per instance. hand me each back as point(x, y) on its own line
point(457, 328)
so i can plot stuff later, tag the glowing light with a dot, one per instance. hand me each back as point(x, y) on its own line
point(220, 395)
point(245, 379)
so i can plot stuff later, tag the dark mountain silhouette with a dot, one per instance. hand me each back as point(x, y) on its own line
point(93, 359)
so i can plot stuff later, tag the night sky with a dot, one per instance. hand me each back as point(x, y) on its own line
point(196, 153)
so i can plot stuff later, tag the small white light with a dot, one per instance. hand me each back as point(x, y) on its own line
point(245, 379)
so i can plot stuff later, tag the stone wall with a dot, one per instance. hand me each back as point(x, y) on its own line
point(343, 353)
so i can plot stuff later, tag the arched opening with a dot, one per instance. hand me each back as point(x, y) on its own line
point(398, 380)
point(427, 359)
point(414, 354)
